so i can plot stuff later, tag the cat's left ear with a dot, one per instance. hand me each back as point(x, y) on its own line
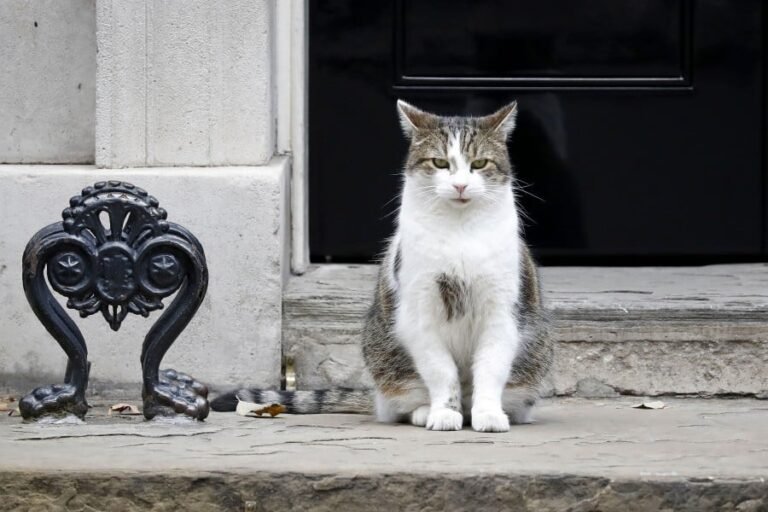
point(412, 119)
point(502, 121)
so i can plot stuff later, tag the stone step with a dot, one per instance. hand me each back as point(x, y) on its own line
point(637, 331)
point(694, 455)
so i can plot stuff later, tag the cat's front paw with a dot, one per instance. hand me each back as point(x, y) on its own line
point(488, 420)
point(444, 419)
point(419, 416)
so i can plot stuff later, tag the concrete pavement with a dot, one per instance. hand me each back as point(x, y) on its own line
point(696, 454)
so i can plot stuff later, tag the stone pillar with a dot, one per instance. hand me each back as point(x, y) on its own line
point(184, 83)
point(47, 78)
point(190, 83)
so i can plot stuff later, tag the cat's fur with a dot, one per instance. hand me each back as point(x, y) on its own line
point(457, 332)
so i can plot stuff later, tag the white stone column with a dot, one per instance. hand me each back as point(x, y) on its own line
point(47, 78)
point(190, 83)
point(184, 83)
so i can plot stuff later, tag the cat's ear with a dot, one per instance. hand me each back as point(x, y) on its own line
point(502, 121)
point(412, 119)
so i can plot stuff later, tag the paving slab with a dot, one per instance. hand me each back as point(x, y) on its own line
point(695, 454)
point(631, 330)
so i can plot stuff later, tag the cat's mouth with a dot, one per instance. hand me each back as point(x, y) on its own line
point(461, 200)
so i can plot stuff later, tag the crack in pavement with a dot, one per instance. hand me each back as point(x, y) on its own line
point(139, 444)
point(321, 427)
point(728, 413)
point(117, 434)
point(244, 454)
point(321, 442)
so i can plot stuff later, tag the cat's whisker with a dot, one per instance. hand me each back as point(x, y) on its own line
point(522, 187)
point(397, 199)
point(393, 212)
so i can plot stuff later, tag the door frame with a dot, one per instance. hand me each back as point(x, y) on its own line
point(292, 91)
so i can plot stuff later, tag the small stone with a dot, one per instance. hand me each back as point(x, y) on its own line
point(593, 388)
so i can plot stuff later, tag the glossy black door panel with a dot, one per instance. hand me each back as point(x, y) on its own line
point(488, 41)
point(640, 131)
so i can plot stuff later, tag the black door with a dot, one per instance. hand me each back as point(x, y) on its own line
point(640, 133)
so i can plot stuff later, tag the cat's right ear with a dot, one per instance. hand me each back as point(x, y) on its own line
point(412, 119)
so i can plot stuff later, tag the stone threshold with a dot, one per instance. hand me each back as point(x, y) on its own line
point(699, 331)
point(580, 455)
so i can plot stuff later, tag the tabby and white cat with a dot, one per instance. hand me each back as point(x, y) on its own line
point(457, 332)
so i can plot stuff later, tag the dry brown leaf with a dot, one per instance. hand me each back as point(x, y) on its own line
point(7, 403)
point(257, 410)
point(650, 405)
point(124, 410)
point(274, 409)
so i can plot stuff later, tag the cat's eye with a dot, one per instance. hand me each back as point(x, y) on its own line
point(440, 163)
point(479, 163)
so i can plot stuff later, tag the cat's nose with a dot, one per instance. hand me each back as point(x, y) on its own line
point(460, 188)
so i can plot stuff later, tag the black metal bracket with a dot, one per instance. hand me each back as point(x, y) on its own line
point(115, 253)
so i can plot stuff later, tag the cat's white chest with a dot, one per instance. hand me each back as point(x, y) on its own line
point(480, 267)
point(482, 259)
point(476, 250)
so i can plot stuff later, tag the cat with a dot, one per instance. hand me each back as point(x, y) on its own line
point(457, 333)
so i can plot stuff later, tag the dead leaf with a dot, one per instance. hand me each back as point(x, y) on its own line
point(650, 405)
point(14, 412)
point(253, 410)
point(275, 409)
point(124, 410)
point(5, 403)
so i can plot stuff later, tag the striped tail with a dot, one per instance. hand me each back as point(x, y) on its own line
point(321, 401)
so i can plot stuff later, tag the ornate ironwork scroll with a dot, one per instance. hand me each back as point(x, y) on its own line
point(115, 253)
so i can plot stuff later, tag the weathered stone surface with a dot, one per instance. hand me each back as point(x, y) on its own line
point(696, 455)
point(700, 330)
point(47, 89)
point(208, 492)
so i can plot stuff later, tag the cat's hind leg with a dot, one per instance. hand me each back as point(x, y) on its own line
point(518, 402)
point(420, 416)
point(410, 405)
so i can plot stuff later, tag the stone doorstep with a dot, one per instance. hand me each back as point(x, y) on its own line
point(638, 331)
point(581, 455)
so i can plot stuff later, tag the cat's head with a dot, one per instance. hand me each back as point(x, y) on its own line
point(458, 160)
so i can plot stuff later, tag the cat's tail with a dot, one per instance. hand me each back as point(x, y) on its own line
point(321, 401)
